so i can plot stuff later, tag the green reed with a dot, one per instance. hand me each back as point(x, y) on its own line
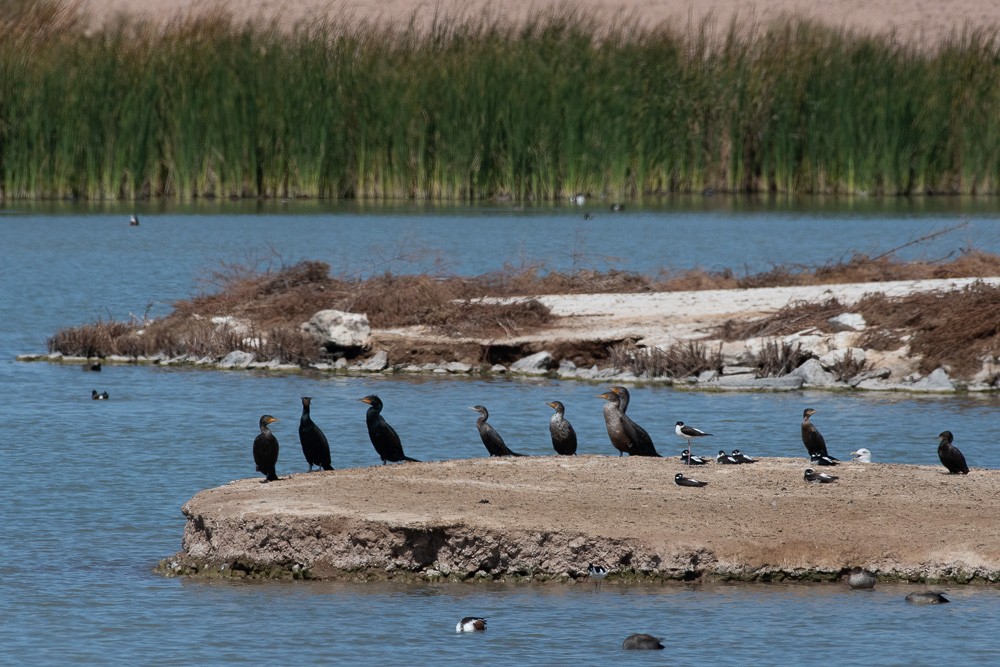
point(469, 109)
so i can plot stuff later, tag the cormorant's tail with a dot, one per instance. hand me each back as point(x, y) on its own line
point(272, 477)
point(407, 458)
point(516, 454)
point(327, 467)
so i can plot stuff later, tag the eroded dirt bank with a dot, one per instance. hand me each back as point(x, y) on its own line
point(546, 517)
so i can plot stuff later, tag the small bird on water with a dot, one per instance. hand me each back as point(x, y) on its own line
point(265, 449)
point(133, 221)
point(950, 456)
point(681, 480)
point(642, 642)
point(494, 443)
point(315, 446)
point(384, 437)
point(926, 597)
point(811, 475)
point(471, 624)
point(99, 397)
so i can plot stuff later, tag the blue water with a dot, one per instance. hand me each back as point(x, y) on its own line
point(92, 490)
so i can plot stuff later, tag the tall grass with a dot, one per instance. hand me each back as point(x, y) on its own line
point(208, 106)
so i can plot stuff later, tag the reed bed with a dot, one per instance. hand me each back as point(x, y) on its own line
point(208, 106)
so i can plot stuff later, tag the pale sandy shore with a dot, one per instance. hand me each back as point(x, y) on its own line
point(912, 20)
point(549, 517)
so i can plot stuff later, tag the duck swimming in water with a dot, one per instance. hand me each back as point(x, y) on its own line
point(861, 579)
point(471, 624)
point(642, 642)
point(99, 397)
point(926, 597)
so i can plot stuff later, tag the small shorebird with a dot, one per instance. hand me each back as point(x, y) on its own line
point(471, 624)
point(681, 480)
point(597, 572)
point(725, 459)
point(689, 433)
point(642, 642)
point(861, 579)
point(743, 458)
point(862, 456)
point(950, 456)
point(692, 460)
point(811, 475)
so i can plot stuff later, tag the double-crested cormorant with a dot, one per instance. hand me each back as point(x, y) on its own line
point(743, 458)
point(563, 435)
point(861, 579)
point(642, 443)
point(614, 420)
point(926, 597)
point(862, 456)
point(681, 480)
point(383, 437)
point(641, 642)
point(689, 433)
point(471, 624)
point(265, 449)
point(950, 456)
point(812, 438)
point(99, 397)
point(494, 443)
point(811, 475)
point(315, 447)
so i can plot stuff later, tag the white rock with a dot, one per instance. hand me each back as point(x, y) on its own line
point(457, 367)
point(848, 322)
point(813, 374)
point(340, 364)
point(938, 380)
point(831, 359)
point(738, 370)
point(498, 368)
point(234, 324)
point(378, 362)
point(337, 328)
point(236, 359)
point(745, 381)
point(535, 364)
point(708, 376)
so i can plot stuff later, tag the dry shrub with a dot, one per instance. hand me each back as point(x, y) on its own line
point(779, 358)
point(792, 318)
point(677, 361)
point(479, 319)
point(391, 300)
point(879, 338)
point(848, 366)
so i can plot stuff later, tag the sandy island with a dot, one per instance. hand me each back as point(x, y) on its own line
point(544, 518)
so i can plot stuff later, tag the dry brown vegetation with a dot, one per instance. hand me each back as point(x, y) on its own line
point(957, 329)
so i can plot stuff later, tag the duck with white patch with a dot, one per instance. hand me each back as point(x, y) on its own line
point(471, 624)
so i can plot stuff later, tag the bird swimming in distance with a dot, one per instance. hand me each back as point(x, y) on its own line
point(812, 438)
point(689, 433)
point(494, 443)
point(861, 579)
point(265, 449)
point(692, 460)
point(951, 457)
point(818, 460)
point(614, 421)
point(926, 597)
point(384, 438)
point(471, 624)
point(133, 221)
point(743, 458)
point(92, 366)
point(681, 480)
point(99, 397)
point(862, 455)
point(563, 435)
point(641, 642)
point(725, 459)
point(811, 475)
point(315, 446)
point(641, 441)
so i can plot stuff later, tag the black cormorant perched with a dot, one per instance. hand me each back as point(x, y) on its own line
point(812, 438)
point(950, 456)
point(811, 475)
point(641, 642)
point(265, 449)
point(614, 420)
point(494, 443)
point(681, 480)
point(383, 436)
point(643, 444)
point(689, 433)
point(99, 397)
point(563, 435)
point(315, 446)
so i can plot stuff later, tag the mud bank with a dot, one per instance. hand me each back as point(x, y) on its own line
point(548, 518)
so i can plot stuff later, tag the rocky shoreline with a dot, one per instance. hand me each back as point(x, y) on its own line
point(548, 518)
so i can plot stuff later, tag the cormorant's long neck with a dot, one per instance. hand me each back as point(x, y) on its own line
point(372, 414)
